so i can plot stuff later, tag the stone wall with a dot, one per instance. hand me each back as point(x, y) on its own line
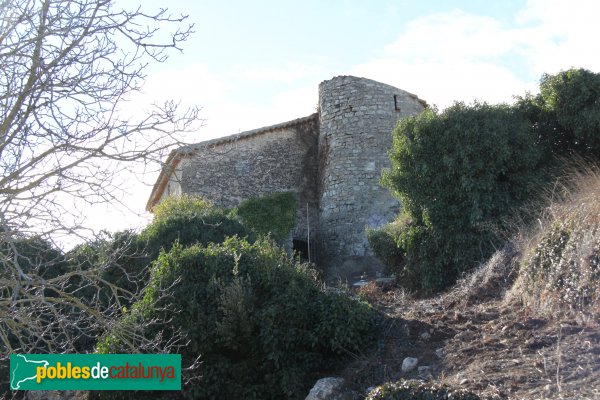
point(357, 116)
point(253, 165)
point(173, 187)
point(332, 160)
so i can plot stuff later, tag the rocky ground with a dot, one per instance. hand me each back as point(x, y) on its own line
point(488, 345)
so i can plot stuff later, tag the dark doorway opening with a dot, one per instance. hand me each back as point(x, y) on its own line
point(301, 247)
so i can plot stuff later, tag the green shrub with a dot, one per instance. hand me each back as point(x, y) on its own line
point(263, 326)
point(110, 270)
point(459, 174)
point(32, 255)
point(566, 113)
point(385, 243)
point(120, 259)
point(415, 390)
point(35, 256)
point(189, 220)
point(123, 258)
point(177, 206)
point(274, 214)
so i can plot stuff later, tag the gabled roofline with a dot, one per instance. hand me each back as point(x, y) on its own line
point(158, 189)
point(247, 134)
point(177, 155)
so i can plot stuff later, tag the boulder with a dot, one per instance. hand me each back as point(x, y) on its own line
point(409, 364)
point(331, 389)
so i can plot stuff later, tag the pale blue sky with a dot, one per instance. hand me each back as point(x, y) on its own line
point(255, 63)
point(334, 33)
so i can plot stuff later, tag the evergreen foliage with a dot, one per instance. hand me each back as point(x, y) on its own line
point(263, 326)
point(120, 259)
point(458, 175)
point(32, 255)
point(189, 219)
point(566, 113)
point(274, 214)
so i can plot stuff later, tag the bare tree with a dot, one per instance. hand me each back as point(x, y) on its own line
point(67, 68)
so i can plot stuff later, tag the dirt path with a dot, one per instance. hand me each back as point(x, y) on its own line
point(493, 348)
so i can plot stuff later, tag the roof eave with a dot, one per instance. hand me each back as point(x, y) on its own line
point(163, 179)
point(176, 155)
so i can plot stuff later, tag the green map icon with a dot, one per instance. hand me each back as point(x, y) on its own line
point(95, 372)
point(23, 368)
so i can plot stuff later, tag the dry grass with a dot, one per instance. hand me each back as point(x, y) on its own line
point(560, 263)
point(488, 282)
point(522, 326)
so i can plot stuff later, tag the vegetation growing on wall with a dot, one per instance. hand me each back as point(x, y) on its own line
point(189, 219)
point(462, 172)
point(458, 174)
point(274, 214)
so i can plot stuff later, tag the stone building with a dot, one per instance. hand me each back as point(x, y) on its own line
point(332, 160)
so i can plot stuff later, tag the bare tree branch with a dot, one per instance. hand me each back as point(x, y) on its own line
point(67, 69)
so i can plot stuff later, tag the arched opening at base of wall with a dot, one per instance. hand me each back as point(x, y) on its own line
point(301, 247)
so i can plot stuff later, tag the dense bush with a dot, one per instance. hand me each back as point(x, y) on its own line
point(32, 254)
point(123, 258)
point(566, 113)
point(263, 326)
point(458, 175)
point(274, 214)
point(108, 272)
point(119, 258)
point(189, 219)
point(386, 246)
point(415, 390)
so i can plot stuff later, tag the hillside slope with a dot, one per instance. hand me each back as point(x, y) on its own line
point(523, 326)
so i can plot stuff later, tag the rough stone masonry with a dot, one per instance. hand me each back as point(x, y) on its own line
point(332, 160)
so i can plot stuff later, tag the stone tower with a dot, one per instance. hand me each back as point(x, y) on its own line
point(356, 118)
point(332, 161)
